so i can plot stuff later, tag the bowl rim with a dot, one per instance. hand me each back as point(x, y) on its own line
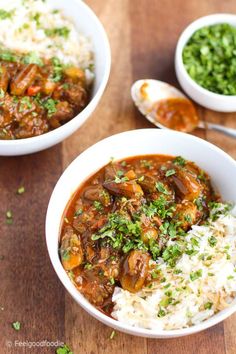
point(78, 297)
point(186, 34)
point(68, 127)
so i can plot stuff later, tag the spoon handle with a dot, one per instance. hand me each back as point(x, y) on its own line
point(219, 128)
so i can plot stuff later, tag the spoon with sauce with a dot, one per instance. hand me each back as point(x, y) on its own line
point(167, 107)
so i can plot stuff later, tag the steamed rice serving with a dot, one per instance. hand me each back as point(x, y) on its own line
point(201, 283)
point(33, 26)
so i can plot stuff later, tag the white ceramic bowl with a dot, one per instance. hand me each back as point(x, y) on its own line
point(208, 99)
point(220, 166)
point(87, 23)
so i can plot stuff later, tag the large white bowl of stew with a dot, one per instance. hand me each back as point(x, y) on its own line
point(54, 70)
point(120, 206)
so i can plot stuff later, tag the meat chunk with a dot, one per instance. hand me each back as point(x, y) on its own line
point(97, 193)
point(93, 288)
point(77, 96)
point(24, 78)
point(64, 112)
point(134, 270)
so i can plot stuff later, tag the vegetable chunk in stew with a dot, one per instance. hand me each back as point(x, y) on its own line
point(38, 95)
point(118, 223)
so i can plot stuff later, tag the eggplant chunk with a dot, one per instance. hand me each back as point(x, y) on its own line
point(71, 250)
point(128, 189)
point(23, 79)
point(4, 78)
point(187, 213)
point(134, 271)
point(186, 185)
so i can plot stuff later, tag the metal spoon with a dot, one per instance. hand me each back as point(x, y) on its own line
point(147, 93)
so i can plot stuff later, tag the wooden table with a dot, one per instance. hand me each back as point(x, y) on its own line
point(143, 35)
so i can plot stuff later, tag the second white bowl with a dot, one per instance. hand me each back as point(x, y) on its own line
point(88, 24)
point(205, 98)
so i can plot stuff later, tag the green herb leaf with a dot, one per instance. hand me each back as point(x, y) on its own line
point(196, 275)
point(16, 325)
point(170, 172)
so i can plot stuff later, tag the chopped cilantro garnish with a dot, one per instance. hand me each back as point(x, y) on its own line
point(32, 58)
point(57, 69)
point(64, 350)
point(16, 325)
point(170, 172)
point(2, 93)
point(196, 275)
point(113, 333)
point(6, 14)
point(112, 281)
point(208, 305)
point(212, 241)
point(120, 180)
point(57, 31)
point(179, 160)
point(88, 266)
point(161, 188)
point(50, 105)
point(161, 313)
point(21, 190)
point(209, 58)
point(98, 205)
point(25, 104)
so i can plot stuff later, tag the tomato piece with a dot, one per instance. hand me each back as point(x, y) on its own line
point(33, 90)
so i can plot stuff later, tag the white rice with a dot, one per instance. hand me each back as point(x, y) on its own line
point(193, 301)
point(21, 32)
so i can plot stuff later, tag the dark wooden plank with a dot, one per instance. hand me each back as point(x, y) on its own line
point(30, 291)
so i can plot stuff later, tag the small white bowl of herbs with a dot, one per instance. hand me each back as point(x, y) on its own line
point(205, 61)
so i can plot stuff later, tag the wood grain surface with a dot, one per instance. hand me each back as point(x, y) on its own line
point(143, 36)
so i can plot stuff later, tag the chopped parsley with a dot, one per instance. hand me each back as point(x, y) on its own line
point(2, 93)
point(9, 217)
point(161, 188)
point(209, 58)
point(180, 161)
point(57, 69)
point(120, 180)
point(7, 55)
point(6, 14)
point(196, 275)
point(212, 241)
point(21, 190)
point(112, 335)
point(32, 58)
point(161, 313)
point(98, 205)
point(50, 105)
point(57, 31)
point(170, 172)
point(208, 305)
point(25, 103)
point(16, 325)
point(64, 350)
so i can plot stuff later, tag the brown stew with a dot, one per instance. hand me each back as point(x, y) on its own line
point(122, 218)
point(38, 95)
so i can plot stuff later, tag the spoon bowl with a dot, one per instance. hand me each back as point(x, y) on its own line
point(164, 105)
